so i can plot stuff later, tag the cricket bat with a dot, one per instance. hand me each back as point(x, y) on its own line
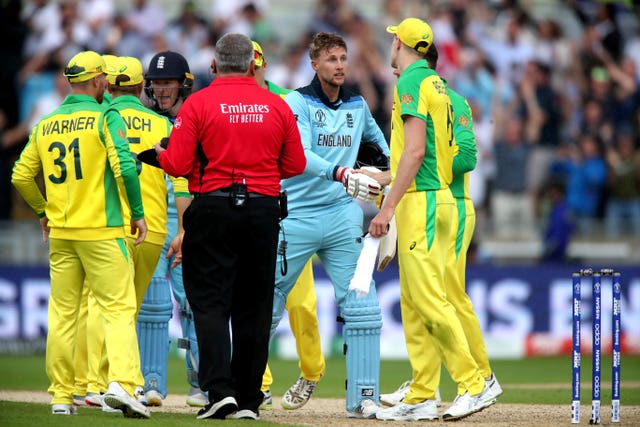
point(388, 244)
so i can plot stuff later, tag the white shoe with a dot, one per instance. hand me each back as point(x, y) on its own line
point(494, 385)
point(298, 394)
point(153, 398)
point(466, 404)
point(117, 398)
point(392, 399)
point(267, 401)
point(79, 400)
point(427, 410)
point(109, 409)
point(487, 397)
point(93, 400)
point(197, 397)
point(367, 409)
point(138, 393)
point(244, 414)
point(63, 409)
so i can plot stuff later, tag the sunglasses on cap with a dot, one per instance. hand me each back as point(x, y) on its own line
point(258, 57)
point(78, 70)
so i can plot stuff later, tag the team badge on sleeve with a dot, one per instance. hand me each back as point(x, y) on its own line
point(464, 121)
point(406, 98)
point(178, 122)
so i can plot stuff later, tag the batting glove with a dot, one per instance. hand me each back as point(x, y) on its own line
point(357, 185)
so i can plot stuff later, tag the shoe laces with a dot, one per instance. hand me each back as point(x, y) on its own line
point(460, 397)
point(403, 408)
point(303, 387)
point(403, 386)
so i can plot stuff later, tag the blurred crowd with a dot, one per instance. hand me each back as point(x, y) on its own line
point(553, 86)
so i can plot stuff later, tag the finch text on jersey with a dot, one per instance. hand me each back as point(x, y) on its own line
point(137, 123)
point(325, 140)
point(68, 125)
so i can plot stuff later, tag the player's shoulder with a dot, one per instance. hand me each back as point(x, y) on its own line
point(272, 98)
point(417, 73)
point(298, 98)
point(455, 96)
point(54, 115)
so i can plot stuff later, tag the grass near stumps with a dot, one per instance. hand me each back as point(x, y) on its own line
point(545, 380)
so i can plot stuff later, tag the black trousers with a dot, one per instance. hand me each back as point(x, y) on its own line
point(229, 258)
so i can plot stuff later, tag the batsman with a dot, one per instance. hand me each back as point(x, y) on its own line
point(168, 82)
point(324, 218)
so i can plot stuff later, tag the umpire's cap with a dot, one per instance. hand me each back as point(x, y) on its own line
point(150, 156)
point(370, 154)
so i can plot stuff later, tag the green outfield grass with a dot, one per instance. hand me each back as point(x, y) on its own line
point(534, 380)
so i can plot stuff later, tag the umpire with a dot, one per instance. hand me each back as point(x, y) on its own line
point(234, 141)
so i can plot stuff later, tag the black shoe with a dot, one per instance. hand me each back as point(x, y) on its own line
point(218, 410)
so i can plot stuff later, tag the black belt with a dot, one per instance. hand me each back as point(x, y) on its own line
point(225, 193)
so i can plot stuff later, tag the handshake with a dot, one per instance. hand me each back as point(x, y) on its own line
point(358, 185)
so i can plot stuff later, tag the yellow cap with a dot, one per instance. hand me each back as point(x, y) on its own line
point(126, 71)
point(258, 57)
point(84, 66)
point(413, 32)
point(108, 61)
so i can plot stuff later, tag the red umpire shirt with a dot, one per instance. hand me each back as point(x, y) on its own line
point(222, 124)
point(232, 132)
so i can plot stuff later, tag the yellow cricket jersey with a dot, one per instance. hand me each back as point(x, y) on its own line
point(145, 128)
point(82, 151)
point(420, 92)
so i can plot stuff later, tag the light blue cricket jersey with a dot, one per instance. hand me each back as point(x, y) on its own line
point(331, 134)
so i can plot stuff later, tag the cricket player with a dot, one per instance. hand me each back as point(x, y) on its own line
point(422, 151)
point(301, 303)
point(461, 234)
point(168, 83)
point(89, 352)
point(145, 128)
point(82, 151)
point(325, 219)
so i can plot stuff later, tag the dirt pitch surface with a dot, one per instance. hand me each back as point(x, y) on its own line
point(320, 412)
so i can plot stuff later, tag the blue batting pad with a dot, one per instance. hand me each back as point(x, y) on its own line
point(361, 331)
point(153, 334)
